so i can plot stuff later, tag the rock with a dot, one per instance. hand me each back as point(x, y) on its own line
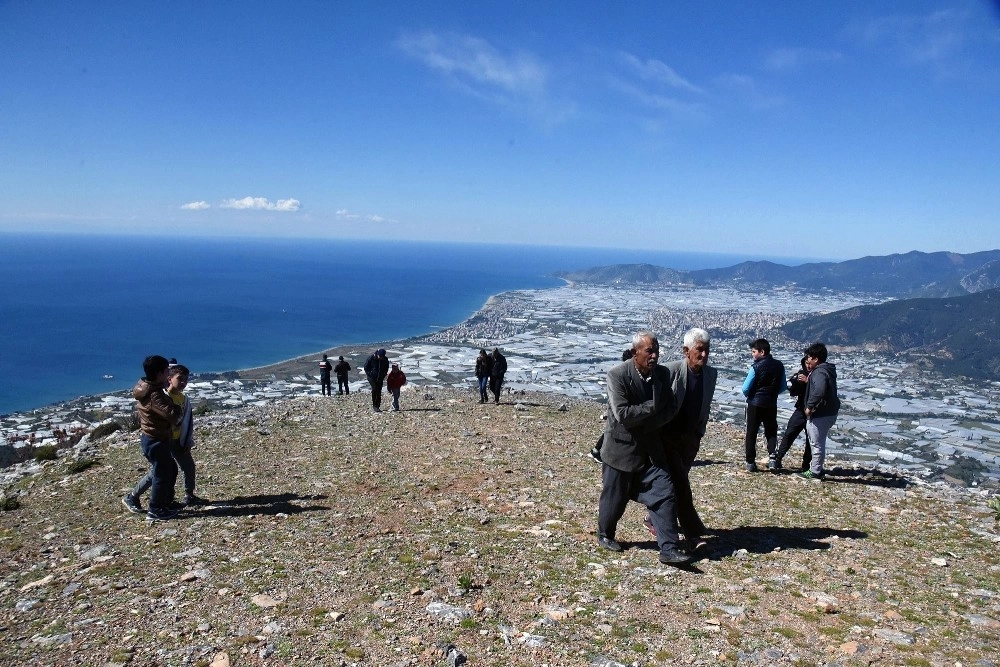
point(448, 612)
point(849, 648)
point(44, 581)
point(531, 641)
point(940, 562)
point(983, 621)
point(336, 616)
point(265, 601)
point(94, 552)
point(25, 605)
point(894, 636)
point(220, 660)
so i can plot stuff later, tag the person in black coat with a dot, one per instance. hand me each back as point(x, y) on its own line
point(376, 368)
point(342, 369)
point(797, 422)
point(497, 371)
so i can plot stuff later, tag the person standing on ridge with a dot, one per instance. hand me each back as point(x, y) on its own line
point(797, 422)
point(484, 364)
point(324, 376)
point(376, 368)
point(497, 371)
point(822, 405)
point(764, 381)
point(342, 369)
point(394, 382)
point(158, 415)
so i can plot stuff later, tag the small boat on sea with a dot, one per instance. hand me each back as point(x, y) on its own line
point(109, 377)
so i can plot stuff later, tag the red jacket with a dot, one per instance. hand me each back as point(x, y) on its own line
point(395, 379)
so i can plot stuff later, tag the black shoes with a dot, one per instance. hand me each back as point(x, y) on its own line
point(191, 499)
point(595, 454)
point(132, 504)
point(609, 543)
point(751, 467)
point(674, 556)
point(773, 464)
point(160, 514)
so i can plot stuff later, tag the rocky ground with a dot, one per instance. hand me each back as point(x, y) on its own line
point(342, 537)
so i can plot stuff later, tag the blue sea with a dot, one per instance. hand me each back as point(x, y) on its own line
point(74, 309)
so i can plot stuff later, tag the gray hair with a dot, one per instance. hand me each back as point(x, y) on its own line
point(641, 336)
point(694, 336)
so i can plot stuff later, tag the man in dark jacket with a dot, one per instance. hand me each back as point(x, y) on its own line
point(822, 405)
point(324, 376)
point(497, 371)
point(342, 369)
point(797, 422)
point(764, 381)
point(376, 368)
point(484, 364)
point(640, 402)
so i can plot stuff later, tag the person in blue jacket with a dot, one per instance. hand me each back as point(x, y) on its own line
point(764, 381)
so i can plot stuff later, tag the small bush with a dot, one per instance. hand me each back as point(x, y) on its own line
point(202, 409)
point(79, 465)
point(105, 429)
point(8, 503)
point(994, 504)
point(129, 422)
point(46, 453)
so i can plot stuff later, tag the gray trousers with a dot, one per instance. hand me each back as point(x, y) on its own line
point(651, 487)
point(816, 430)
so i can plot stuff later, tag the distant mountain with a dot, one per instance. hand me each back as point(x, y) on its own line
point(912, 274)
point(954, 335)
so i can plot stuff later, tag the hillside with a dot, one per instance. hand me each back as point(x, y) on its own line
point(955, 336)
point(343, 537)
point(911, 274)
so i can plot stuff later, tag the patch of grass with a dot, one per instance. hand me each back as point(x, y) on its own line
point(79, 465)
point(994, 505)
point(465, 581)
point(788, 633)
point(469, 623)
point(46, 453)
point(354, 652)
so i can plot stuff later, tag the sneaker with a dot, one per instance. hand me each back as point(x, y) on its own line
point(191, 499)
point(132, 504)
point(609, 543)
point(175, 506)
point(674, 556)
point(595, 454)
point(752, 467)
point(159, 514)
point(649, 525)
point(772, 465)
point(809, 474)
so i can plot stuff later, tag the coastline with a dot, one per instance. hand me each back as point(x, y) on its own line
point(563, 340)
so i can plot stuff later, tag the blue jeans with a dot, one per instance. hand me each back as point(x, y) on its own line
point(162, 474)
point(484, 385)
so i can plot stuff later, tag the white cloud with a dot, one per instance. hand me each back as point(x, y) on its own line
point(476, 63)
point(746, 90)
point(658, 72)
point(794, 58)
point(262, 204)
point(344, 214)
point(196, 206)
point(376, 218)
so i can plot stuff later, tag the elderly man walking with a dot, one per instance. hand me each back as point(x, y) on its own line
point(692, 382)
point(640, 402)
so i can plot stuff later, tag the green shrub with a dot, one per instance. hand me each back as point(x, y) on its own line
point(80, 464)
point(994, 504)
point(8, 503)
point(105, 429)
point(46, 453)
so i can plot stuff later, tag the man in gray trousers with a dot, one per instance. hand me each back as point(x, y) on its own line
point(640, 402)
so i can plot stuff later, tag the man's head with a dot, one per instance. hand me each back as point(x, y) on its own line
point(815, 355)
point(155, 368)
point(324, 357)
point(395, 367)
point(380, 352)
point(341, 358)
point(759, 348)
point(647, 352)
point(697, 345)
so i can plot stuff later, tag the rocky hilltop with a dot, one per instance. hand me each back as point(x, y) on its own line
point(456, 532)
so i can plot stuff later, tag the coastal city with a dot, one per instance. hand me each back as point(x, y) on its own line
point(564, 340)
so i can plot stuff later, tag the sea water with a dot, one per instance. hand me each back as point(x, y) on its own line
point(79, 313)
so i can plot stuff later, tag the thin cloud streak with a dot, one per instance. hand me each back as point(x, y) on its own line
point(262, 204)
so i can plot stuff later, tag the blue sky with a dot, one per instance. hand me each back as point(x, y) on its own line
point(800, 129)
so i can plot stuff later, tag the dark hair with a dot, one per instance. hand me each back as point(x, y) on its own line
point(628, 354)
point(762, 345)
point(803, 363)
point(818, 351)
point(178, 369)
point(153, 365)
